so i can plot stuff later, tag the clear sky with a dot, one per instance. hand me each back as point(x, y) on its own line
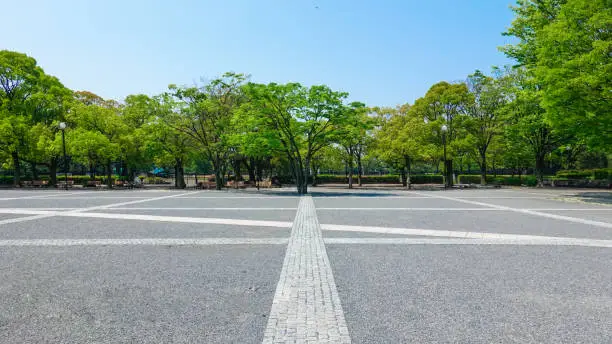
point(384, 52)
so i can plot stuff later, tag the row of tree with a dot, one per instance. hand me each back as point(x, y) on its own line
point(555, 100)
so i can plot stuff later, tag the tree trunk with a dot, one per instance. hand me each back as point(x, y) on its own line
point(251, 168)
point(314, 174)
point(237, 172)
point(407, 161)
point(539, 170)
point(53, 172)
point(449, 172)
point(109, 174)
point(404, 180)
point(34, 171)
point(218, 179)
point(179, 174)
point(359, 169)
point(483, 170)
point(17, 177)
point(350, 173)
point(306, 175)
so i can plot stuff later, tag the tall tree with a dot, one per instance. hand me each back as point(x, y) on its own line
point(207, 117)
point(566, 45)
point(19, 81)
point(445, 104)
point(483, 121)
point(303, 120)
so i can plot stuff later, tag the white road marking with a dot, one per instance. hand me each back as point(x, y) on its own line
point(201, 208)
point(306, 306)
point(143, 241)
point(134, 202)
point(429, 241)
point(38, 196)
point(525, 211)
point(237, 197)
point(159, 218)
point(21, 219)
point(453, 234)
point(466, 209)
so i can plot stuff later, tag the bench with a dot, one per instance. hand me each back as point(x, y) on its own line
point(39, 183)
point(62, 183)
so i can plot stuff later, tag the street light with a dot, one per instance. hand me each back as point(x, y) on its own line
point(62, 127)
point(444, 129)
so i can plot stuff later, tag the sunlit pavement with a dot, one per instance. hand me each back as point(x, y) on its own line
point(460, 266)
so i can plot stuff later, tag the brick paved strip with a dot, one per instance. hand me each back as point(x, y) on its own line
point(306, 306)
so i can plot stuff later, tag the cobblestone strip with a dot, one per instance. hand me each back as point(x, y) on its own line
point(306, 306)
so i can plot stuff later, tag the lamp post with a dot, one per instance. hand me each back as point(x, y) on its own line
point(62, 127)
point(444, 129)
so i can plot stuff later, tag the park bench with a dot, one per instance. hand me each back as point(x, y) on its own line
point(39, 183)
point(62, 184)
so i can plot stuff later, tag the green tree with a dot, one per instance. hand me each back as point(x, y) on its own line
point(483, 120)
point(19, 81)
point(566, 45)
point(525, 119)
point(207, 114)
point(400, 141)
point(303, 120)
point(445, 104)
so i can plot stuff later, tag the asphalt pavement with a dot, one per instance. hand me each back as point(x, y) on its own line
point(457, 266)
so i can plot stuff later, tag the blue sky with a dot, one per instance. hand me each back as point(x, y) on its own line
point(382, 52)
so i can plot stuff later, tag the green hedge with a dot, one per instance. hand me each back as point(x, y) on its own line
point(499, 180)
point(382, 179)
point(594, 174)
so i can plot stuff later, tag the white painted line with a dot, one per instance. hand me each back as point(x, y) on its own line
point(428, 241)
point(21, 219)
point(134, 202)
point(159, 218)
point(97, 197)
point(199, 208)
point(38, 196)
point(144, 241)
point(238, 197)
point(306, 306)
point(524, 211)
point(448, 234)
point(467, 209)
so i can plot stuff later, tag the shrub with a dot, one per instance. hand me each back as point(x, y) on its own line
point(574, 174)
point(602, 173)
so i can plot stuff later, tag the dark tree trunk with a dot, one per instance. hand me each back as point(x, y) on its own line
point(237, 172)
point(359, 169)
point(53, 172)
point(449, 173)
point(251, 168)
point(109, 174)
point(314, 174)
point(17, 177)
point(350, 172)
point(407, 161)
point(539, 170)
point(34, 171)
point(180, 174)
point(483, 170)
point(404, 179)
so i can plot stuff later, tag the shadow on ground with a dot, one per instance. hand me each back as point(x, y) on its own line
point(594, 197)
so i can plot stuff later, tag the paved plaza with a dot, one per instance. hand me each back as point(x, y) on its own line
point(336, 266)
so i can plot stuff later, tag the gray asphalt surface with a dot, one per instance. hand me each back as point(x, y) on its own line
point(212, 294)
point(474, 294)
point(222, 293)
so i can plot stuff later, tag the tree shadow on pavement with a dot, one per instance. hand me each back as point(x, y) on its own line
point(595, 197)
